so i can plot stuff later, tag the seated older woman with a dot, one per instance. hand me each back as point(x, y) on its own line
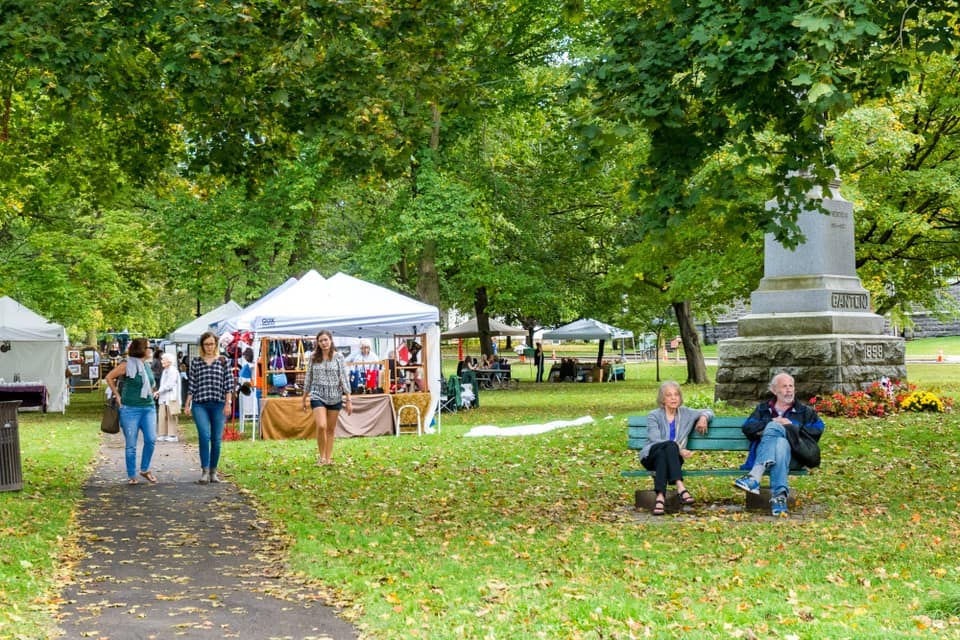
point(668, 428)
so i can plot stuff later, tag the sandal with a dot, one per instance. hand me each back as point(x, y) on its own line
point(685, 497)
point(152, 479)
point(659, 507)
point(133, 481)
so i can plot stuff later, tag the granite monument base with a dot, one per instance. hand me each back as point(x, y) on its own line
point(820, 364)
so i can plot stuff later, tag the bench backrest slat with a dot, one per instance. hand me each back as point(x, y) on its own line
point(723, 434)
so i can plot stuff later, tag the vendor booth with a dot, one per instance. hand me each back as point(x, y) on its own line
point(587, 329)
point(350, 309)
point(33, 358)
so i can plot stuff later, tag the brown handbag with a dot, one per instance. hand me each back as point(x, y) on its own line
point(110, 420)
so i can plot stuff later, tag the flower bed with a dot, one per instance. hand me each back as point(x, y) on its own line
point(881, 399)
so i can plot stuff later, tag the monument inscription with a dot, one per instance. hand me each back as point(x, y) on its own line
point(860, 301)
point(873, 352)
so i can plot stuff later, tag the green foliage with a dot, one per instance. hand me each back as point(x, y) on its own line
point(898, 157)
point(700, 76)
point(702, 400)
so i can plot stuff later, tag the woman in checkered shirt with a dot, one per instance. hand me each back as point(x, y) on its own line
point(210, 398)
point(327, 388)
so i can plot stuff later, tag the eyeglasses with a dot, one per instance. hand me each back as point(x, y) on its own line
point(209, 344)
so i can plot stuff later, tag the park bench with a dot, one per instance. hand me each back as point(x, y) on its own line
point(723, 434)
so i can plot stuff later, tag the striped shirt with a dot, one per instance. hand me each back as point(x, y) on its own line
point(326, 380)
point(210, 382)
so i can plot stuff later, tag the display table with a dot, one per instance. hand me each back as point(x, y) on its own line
point(284, 418)
point(30, 394)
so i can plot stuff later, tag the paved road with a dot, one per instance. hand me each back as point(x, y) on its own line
point(183, 560)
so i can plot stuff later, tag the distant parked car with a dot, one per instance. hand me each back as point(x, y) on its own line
point(518, 348)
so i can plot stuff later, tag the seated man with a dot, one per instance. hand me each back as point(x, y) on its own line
point(770, 449)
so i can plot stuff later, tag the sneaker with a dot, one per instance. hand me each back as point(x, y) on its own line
point(778, 506)
point(213, 476)
point(172, 439)
point(748, 484)
point(205, 477)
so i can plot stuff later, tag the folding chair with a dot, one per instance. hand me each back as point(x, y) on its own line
point(450, 396)
point(250, 412)
point(415, 422)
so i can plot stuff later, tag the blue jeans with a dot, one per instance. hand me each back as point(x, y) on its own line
point(209, 418)
point(133, 420)
point(773, 453)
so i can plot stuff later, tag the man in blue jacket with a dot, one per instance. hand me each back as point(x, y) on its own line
point(770, 448)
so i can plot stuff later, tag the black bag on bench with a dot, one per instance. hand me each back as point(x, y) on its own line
point(803, 445)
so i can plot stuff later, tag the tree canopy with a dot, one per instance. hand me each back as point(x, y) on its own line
point(536, 160)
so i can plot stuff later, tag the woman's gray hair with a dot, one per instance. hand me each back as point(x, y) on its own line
point(167, 357)
point(663, 388)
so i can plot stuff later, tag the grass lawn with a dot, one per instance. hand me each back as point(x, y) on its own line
point(445, 536)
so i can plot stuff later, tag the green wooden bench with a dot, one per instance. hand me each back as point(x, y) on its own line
point(723, 434)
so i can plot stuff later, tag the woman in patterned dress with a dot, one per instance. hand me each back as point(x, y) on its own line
point(327, 387)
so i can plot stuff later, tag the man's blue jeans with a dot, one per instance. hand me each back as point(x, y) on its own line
point(133, 420)
point(773, 453)
point(209, 418)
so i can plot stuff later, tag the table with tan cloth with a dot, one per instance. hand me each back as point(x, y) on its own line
point(284, 418)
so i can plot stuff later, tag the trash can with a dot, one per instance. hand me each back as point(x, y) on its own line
point(11, 474)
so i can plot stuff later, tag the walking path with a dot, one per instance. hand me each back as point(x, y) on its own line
point(182, 560)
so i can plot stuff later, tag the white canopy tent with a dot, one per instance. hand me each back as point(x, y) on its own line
point(243, 320)
point(34, 348)
point(588, 329)
point(190, 333)
point(350, 308)
point(469, 330)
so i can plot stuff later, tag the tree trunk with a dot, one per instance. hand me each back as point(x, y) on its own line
point(428, 281)
point(483, 320)
point(696, 368)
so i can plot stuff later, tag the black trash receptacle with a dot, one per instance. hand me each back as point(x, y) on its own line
point(11, 473)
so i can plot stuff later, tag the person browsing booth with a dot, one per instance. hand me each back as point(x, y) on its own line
point(362, 363)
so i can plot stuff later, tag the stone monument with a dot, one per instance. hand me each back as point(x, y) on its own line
point(810, 316)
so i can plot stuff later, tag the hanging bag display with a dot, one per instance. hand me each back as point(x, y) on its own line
point(278, 379)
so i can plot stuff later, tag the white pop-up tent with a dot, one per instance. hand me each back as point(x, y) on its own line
point(469, 329)
point(350, 307)
point(190, 333)
point(243, 319)
point(33, 348)
point(588, 329)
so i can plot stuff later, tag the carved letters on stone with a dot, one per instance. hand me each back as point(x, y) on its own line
point(858, 301)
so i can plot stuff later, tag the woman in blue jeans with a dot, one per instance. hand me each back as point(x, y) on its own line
point(131, 382)
point(210, 401)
